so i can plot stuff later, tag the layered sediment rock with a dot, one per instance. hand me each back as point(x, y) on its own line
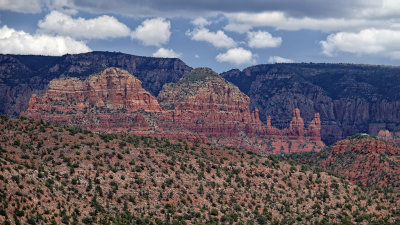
point(350, 98)
point(201, 105)
point(24, 75)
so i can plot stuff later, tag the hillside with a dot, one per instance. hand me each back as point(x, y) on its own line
point(361, 159)
point(350, 98)
point(53, 174)
point(24, 75)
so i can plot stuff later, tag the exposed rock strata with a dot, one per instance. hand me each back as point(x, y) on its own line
point(24, 75)
point(201, 105)
point(350, 98)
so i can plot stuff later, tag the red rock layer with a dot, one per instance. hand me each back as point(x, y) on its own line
point(208, 105)
point(202, 105)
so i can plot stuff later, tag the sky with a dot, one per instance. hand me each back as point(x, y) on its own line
point(222, 34)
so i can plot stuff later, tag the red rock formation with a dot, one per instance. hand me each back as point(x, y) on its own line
point(203, 102)
point(296, 126)
point(270, 130)
point(314, 129)
point(393, 138)
point(364, 159)
point(202, 105)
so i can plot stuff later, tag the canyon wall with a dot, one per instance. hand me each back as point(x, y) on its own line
point(350, 98)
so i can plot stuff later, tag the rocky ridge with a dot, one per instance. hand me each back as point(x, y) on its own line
point(201, 105)
point(24, 75)
point(361, 159)
point(350, 98)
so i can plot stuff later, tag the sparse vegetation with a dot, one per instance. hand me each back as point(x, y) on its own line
point(85, 178)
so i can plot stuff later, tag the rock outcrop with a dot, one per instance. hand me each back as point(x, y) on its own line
point(107, 101)
point(350, 98)
point(362, 159)
point(392, 138)
point(24, 75)
point(201, 105)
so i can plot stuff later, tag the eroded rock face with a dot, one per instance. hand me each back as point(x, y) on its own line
point(201, 105)
point(202, 97)
point(107, 101)
point(350, 98)
point(390, 137)
point(24, 75)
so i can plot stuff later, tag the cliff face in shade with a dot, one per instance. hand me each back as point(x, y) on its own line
point(350, 98)
point(201, 105)
point(24, 75)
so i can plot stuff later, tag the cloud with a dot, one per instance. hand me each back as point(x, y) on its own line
point(218, 39)
point(166, 53)
point(282, 21)
point(237, 56)
point(377, 42)
point(239, 28)
point(154, 32)
point(19, 42)
point(22, 6)
point(201, 22)
point(278, 59)
point(263, 39)
point(194, 8)
point(101, 27)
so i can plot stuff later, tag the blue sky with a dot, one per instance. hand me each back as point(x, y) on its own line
point(218, 34)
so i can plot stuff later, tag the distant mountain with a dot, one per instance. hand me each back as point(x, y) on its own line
point(65, 175)
point(23, 75)
point(361, 159)
point(200, 106)
point(350, 98)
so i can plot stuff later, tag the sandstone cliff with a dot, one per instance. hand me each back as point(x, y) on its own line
point(201, 105)
point(24, 75)
point(350, 98)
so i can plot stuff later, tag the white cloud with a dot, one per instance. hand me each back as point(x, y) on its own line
point(166, 53)
point(379, 42)
point(23, 6)
point(237, 56)
point(281, 21)
point(153, 32)
point(263, 39)
point(201, 22)
point(218, 39)
point(278, 59)
point(19, 42)
point(97, 28)
point(239, 28)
